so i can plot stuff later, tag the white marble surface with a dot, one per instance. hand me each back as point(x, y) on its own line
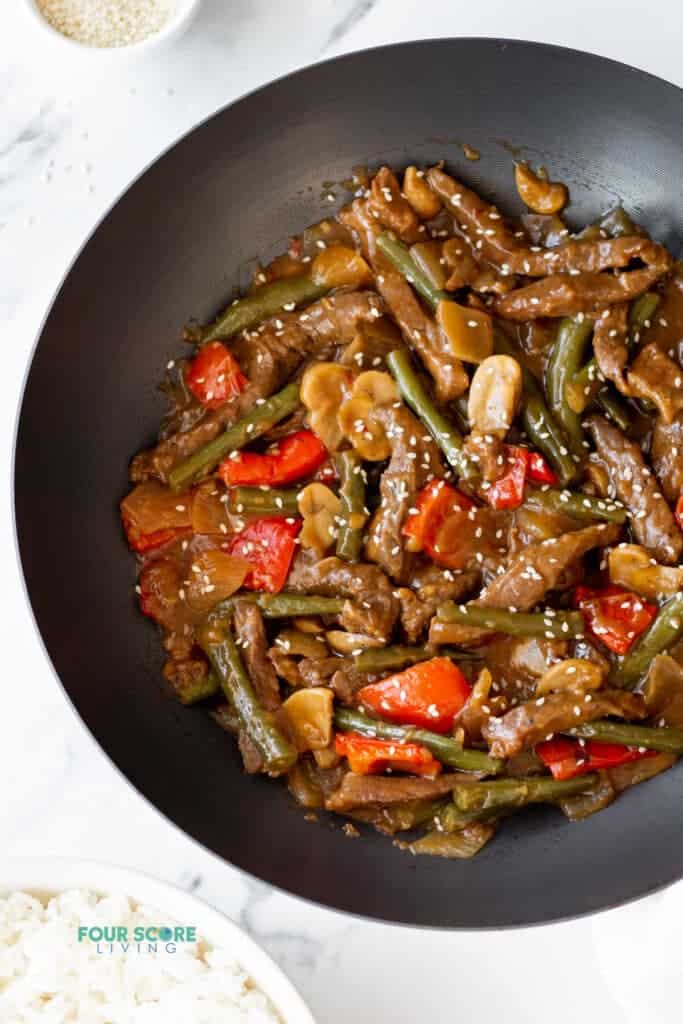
point(73, 132)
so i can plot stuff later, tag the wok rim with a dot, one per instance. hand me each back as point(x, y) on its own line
point(335, 908)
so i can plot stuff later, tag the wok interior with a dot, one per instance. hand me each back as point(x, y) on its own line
point(174, 247)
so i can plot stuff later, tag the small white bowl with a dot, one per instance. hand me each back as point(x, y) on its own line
point(44, 877)
point(185, 11)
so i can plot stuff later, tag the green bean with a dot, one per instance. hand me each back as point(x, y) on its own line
point(385, 659)
point(498, 795)
point(614, 408)
point(663, 633)
point(667, 740)
point(190, 691)
point(353, 514)
point(257, 422)
point(640, 314)
point(277, 752)
point(565, 360)
point(262, 303)
point(456, 845)
point(444, 748)
point(549, 623)
point(269, 501)
point(580, 506)
point(415, 394)
point(400, 258)
point(541, 427)
point(282, 605)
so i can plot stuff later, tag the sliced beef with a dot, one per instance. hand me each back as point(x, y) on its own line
point(666, 455)
point(488, 453)
point(337, 673)
point(477, 219)
point(430, 587)
point(652, 520)
point(251, 756)
point(655, 377)
point(573, 278)
point(517, 664)
point(535, 720)
point(419, 329)
point(531, 574)
point(610, 346)
point(372, 609)
point(391, 209)
point(663, 691)
point(359, 790)
point(286, 666)
point(268, 357)
point(251, 634)
point(566, 295)
point(415, 459)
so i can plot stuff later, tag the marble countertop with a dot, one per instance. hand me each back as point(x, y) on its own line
point(73, 133)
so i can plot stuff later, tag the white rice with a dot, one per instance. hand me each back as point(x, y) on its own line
point(48, 977)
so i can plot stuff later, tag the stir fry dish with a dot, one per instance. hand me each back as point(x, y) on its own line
point(413, 526)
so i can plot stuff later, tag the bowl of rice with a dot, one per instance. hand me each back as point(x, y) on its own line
point(85, 943)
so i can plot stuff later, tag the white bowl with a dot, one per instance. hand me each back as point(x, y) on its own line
point(176, 24)
point(44, 877)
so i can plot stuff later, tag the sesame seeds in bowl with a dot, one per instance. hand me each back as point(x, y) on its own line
point(112, 26)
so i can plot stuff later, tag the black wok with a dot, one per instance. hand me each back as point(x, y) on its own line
point(175, 245)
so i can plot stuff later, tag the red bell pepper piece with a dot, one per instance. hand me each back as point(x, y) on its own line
point(370, 757)
point(296, 456)
point(567, 758)
point(214, 375)
point(429, 694)
point(268, 545)
point(614, 616)
point(523, 465)
point(508, 490)
point(142, 543)
point(539, 470)
point(434, 504)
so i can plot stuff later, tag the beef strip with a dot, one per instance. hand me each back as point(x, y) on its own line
point(531, 574)
point(535, 720)
point(610, 347)
point(337, 673)
point(372, 609)
point(655, 377)
point(663, 691)
point(666, 455)
point(251, 634)
point(431, 586)
point(517, 664)
point(415, 459)
point(560, 293)
point(652, 520)
point(387, 204)
point(477, 219)
point(251, 756)
point(286, 666)
point(564, 295)
point(487, 451)
point(359, 790)
point(268, 356)
point(421, 332)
